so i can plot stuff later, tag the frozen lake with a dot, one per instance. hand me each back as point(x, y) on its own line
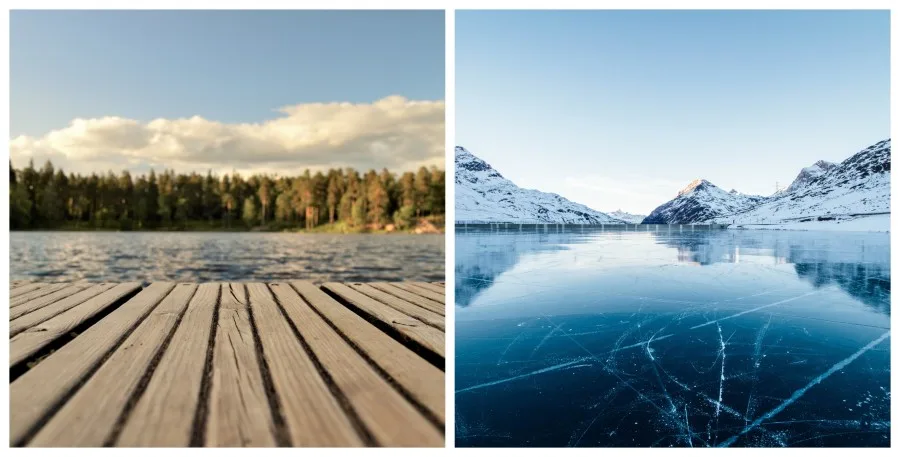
point(672, 337)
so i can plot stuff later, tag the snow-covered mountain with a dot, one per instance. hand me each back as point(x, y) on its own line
point(810, 173)
point(860, 185)
point(627, 217)
point(484, 195)
point(700, 201)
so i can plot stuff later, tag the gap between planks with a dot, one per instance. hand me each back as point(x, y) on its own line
point(384, 402)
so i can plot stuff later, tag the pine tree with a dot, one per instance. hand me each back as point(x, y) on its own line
point(334, 193)
point(378, 201)
point(249, 215)
point(265, 196)
point(152, 201)
point(422, 190)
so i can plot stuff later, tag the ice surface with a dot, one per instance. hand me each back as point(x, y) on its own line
point(672, 338)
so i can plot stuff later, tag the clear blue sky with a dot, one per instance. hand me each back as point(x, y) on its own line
point(621, 109)
point(228, 66)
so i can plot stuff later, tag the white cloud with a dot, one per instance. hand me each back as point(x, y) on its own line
point(393, 132)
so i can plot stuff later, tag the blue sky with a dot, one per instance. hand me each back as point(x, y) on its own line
point(621, 109)
point(227, 67)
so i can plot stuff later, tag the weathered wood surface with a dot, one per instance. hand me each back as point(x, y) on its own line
point(241, 364)
point(430, 338)
point(33, 339)
point(165, 413)
point(421, 313)
point(418, 289)
point(18, 290)
point(421, 380)
point(33, 313)
point(238, 406)
point(410, 297)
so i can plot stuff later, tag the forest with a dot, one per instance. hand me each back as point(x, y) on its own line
point(339, 200)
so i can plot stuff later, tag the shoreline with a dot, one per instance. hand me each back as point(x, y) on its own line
point(866, 224)
point(879, 223)
point(301, 232)
point(423, 227)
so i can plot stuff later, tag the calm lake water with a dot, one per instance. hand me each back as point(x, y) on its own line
point(155, 256)
point(672, 337)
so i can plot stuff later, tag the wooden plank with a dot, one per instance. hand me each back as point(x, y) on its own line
point(164, 415)
point(37, 393)
point(37, 303)
point(428, 337)
point(313, 416)
point(405, 307)
point(239, 412)
point(26, 321)
point(430, 286)
point(15, 292)
point(34, 339)
point(21, 300)
point(430, 305)
point(389, 418)
point(442, 284)
point(89, 418)
point(410, 287)
point(18, 282)
point(35, 294)
point(421, 380)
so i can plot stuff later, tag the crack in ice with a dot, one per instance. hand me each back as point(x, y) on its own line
point(714, 321)
point(801, 391)
point(526, 375)
point(544, 340)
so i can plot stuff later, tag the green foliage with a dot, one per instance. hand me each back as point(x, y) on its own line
point(336, 200)
point(249, 214)
point(358, 218)
point(405, 217)
point(19, 207)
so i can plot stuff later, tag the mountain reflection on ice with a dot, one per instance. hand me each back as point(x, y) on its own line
point(661, 337)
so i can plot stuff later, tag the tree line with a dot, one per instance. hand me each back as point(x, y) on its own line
point(49, 198)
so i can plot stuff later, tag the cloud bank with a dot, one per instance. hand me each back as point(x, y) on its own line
point(394, 133)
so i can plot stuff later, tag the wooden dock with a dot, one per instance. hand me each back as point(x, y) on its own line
point(226, 364)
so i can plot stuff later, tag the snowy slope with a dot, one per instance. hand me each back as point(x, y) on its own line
point(809, 174)
point(860, 185)
point(700, 201)
point(822, 192)
point(484, 195)
point(627, 217)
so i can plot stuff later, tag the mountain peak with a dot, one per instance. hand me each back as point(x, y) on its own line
point(700, 200)
point(809, 174)
point(697, 184)
point(468, 161)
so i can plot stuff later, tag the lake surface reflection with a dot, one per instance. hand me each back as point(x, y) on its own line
point(156, 256)
point(668, 336)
